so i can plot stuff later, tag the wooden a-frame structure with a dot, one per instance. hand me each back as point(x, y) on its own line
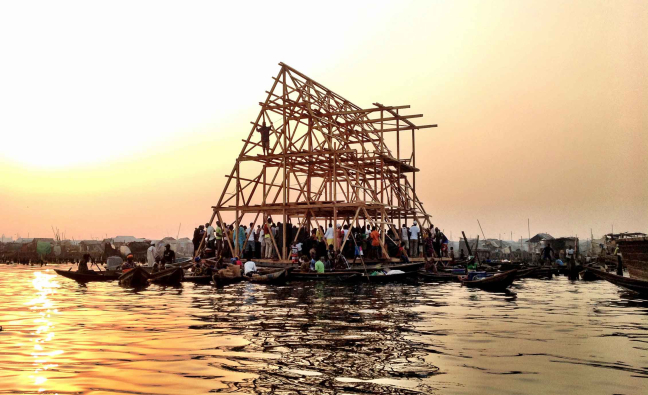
point(327, 162)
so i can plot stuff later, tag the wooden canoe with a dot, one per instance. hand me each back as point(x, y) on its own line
point(587, 275)
point(497, 282)
point(197, 279)
point(342, 276)
point(88, 276)
point(274, 277)
point(389, 278)
point(135, 278)
point(437, 277)
point(222, 281)
point(632, 284)
point(171, 276)
point(523, 273)
point(406, 267)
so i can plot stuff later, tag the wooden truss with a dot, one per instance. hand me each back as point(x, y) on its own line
point(327, 162)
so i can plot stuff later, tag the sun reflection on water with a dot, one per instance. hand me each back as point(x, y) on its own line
point(44, 351)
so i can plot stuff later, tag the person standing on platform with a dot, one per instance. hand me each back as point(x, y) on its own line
point(265, 138)
point(197, 237)
point(267, 240)
point(414, 240)
point(405, 237)
point(249, 248)
point(375, 243)
point(569, 254)
point(219, 238)
point(436, 243)
point(211, 236)
point(329, 235)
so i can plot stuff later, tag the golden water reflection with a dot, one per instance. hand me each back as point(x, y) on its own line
point(61, 337)
point(44, 352)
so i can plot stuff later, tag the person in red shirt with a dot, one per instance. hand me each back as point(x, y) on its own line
point(402, 253)
point(375, 243)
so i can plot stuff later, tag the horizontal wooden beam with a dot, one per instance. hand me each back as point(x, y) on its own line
point(406, 128)
point(297, 154)
point(400, 117)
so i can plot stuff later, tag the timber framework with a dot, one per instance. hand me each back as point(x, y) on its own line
point(325, 160)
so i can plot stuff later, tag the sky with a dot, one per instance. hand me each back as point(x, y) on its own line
point(122, 118)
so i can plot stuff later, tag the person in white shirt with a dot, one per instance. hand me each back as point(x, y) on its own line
point(405, 236)
point(249, 268)
point(329, 235)
point(414, 240)
point(211, 236)
point(150, 255)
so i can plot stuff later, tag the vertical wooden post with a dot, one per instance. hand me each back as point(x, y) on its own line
point(282, 255)
point(236, 226)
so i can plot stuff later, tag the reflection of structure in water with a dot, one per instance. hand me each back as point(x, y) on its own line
point(328, 339)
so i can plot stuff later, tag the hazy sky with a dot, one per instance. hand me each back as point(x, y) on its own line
point(121, 118)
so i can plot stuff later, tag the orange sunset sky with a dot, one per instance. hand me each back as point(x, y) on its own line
point(121, 118)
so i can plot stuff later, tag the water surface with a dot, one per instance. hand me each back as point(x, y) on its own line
point(548, 336)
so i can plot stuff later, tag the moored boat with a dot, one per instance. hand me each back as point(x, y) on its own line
point(388, 278)
point(89, 276)
point(523, 273)
point(220, 281)
point(634, 253)
point(496, 282)
point(437, 277)
point(343, 276)
point(277, 276)
point(171, 276)
point(137, 277)
point(197, 279)
point(632, 284)
point(406, 267)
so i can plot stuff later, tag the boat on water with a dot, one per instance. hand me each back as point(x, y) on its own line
point(487, 282)
point(89, 276)
point(197, 279)
point(179, 262)
point(634, 254)
point(137, 277)
point(632, 284)
point(338, 276)
point(437, 277)
point(276, 276)
point(406, 267)
point(172, 276)
point(221, 281)
point(389, 278)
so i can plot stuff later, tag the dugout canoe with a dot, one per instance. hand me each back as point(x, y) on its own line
point(388, 278)
point(222, 281)
point(640, 286)
point(340, 276)
point(274, 277)
point(523, 273)
point(406, 267)
point(135, 278)
point(89, 276)
point(497, 282)
point(437, 277)
point(197, 279)
point(171, 276)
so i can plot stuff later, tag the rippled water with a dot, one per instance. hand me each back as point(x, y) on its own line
point(550, 336)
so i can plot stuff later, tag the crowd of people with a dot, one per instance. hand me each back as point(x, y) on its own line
point(265, 240)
